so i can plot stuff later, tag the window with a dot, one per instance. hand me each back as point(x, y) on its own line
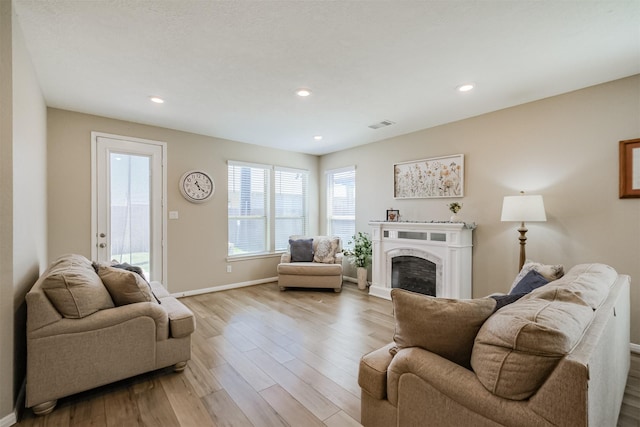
point(252, 198)
point(341, 203)
point(291, 205)
point(247, 208)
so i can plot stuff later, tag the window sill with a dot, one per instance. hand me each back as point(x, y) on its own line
point(235, 258)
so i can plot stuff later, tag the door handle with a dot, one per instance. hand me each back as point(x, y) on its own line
point(103, 245)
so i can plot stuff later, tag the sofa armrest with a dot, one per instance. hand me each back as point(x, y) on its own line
point(285, 258)
point(107, 318)
point(444, 379)
point(372, 374)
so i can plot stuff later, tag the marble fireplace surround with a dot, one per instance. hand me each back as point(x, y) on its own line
point(448, 245)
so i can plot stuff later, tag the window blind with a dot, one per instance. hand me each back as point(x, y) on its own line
point(341, 203)
point(290, 205)
point(248, 189)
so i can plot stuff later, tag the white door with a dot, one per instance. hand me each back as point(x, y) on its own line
point(128, 221)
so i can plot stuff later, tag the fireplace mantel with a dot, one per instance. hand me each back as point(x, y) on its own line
point(448, 242)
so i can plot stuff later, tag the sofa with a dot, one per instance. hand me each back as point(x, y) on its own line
point(92, 324)
point(311, 262)
point(557, 356)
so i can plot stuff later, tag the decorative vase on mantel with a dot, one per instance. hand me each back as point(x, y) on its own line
point(361, 273)
point(455, 208)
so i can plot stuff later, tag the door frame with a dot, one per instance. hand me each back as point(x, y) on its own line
point(94, 194)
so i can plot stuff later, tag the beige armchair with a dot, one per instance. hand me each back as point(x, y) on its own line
point(311, 262)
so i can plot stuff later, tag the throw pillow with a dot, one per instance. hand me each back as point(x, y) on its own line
point(548, 271)
point(139, 272)
point(125, 287)
point(326, 249)
point(74, 288)
point(532, 280)
point(443, 326)
point(504, 300)
point(301, 250)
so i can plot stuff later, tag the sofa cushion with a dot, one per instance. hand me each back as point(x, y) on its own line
point(532, 280)
point(443, 326)
point(519, 346)
point(74, 288)
point(325, 249)
point(301, 250)
point(125, 287)
point(589, 282)
point(548, 271)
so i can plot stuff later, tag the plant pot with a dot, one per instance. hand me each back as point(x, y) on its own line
point(455, 218)
point(362, 277)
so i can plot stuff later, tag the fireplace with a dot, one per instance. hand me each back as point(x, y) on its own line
point(430, 258)
point(415, 273)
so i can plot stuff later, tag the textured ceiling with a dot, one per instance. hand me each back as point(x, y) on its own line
point(229, 69)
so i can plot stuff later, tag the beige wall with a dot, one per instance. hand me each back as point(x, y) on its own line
point(23, 198)
point(197, 241)
point(565, 148)
point(6, 214)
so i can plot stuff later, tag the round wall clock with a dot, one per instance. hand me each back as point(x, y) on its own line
point(197, 186)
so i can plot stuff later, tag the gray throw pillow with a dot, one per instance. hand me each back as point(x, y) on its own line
point(532, 280)
point(301, 250)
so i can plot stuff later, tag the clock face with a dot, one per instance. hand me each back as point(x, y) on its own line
point(197, 186)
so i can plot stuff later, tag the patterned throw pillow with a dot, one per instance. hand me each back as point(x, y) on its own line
point(549, 272)
point(326, 250)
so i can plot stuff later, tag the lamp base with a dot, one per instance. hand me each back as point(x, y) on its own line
point(523, 241)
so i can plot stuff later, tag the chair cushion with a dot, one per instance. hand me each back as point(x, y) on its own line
point(310, 269)
point(443, 326)
point(74, 288)
point(301, 250)
point(125, 287)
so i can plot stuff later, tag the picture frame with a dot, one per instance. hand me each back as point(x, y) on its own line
point(393, 215)
point(437, 177)
point(629, 168)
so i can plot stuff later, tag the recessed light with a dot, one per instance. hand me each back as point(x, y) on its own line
point(156, 99)
point(303, 92)
point(318, 137)
point(465, 87)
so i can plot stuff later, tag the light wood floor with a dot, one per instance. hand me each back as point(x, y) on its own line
point(262, 358)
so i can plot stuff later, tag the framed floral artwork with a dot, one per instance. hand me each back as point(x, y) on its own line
point(429, 178)
point(393, 215)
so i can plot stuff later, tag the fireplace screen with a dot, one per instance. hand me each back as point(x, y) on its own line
point(413, 274)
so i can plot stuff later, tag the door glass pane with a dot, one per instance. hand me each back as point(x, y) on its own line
point(130, 213)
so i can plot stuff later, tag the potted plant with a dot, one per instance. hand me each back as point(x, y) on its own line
point(360, 256)
point(454, 208)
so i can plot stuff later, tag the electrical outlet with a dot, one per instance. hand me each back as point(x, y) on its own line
point(229, 269)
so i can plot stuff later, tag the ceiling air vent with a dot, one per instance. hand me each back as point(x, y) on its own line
point(382, 124)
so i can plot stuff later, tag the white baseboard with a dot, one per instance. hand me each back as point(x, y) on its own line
point(635, 348)
point(9, 420)
point(223, 288)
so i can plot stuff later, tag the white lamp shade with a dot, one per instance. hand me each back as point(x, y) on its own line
point(523, 209)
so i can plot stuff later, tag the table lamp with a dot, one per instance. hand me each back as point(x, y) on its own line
point(520, 209)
